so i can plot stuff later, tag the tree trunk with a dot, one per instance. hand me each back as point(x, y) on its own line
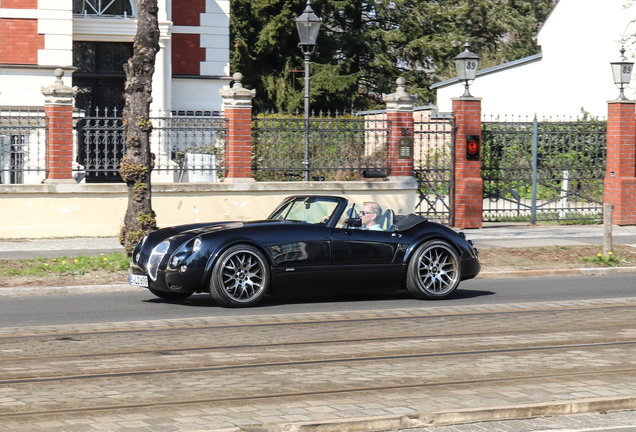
point(137, 164)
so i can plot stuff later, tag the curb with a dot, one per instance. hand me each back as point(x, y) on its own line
point(577, 406)
point(82, 289)
point(449, 417)
point(558, 272)
point(360, 424)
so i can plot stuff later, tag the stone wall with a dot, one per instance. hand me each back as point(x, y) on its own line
point(88, 210)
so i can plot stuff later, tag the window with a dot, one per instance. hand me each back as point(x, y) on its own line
point(13, 151)
point(102, 7)
point(100, 76)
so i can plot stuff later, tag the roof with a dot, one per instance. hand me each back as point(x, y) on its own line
point(494, 69)
point(383, 111)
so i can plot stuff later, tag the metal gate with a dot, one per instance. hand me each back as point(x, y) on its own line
point(543, 171)
point(433, 168)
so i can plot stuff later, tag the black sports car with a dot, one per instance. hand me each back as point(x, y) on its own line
point(309, 244)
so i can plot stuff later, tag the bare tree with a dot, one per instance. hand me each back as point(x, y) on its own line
point(137, 164)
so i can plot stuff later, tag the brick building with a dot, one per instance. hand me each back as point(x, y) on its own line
point(91, 39)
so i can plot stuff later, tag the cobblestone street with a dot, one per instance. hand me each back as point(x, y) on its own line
point(401, 367)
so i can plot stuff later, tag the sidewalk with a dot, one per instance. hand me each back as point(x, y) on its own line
point(55, 247)
point(492, 235)
point(524, 235)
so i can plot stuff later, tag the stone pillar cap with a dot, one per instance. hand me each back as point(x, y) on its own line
point(467, 99)
point(400, 99)
point(237, 95)
point(58, 93)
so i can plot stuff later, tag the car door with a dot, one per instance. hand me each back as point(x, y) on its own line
point(364, 258)
point(300, 254)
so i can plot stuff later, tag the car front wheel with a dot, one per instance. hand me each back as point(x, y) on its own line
point(434, 271)
point(240, 277)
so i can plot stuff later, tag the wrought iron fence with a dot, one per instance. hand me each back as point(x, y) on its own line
point(187, 148)
point(23, 138)
point(191, 149)
point(433, 168)
point(341, 146)
point(566, 183)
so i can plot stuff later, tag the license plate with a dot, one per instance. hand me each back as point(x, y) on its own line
point(138, 280)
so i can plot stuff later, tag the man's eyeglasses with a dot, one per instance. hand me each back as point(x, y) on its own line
point(364, 213)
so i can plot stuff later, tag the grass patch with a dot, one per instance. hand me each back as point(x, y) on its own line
point(65, 266)
point(609, 260)
point(555, 257)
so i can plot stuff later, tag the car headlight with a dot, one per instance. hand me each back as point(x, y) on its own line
point(196, 245)
point(156, 257)
point(139, 248)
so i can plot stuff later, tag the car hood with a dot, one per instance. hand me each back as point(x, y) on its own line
point(207, 228)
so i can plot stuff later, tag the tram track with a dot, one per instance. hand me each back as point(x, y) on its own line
point(392, 338)
point(337, 391)
point(349, 359)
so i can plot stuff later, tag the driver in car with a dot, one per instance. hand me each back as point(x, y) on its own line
point(370, 215)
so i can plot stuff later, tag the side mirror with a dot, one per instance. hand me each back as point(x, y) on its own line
point(353, 222)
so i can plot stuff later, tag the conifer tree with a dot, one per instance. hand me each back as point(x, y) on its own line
point(365, 45)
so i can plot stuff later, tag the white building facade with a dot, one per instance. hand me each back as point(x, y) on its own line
point(572, 73)
point(91, 39)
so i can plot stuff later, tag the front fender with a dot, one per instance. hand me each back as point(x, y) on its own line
point(228, 243)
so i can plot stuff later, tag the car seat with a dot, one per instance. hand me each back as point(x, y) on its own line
point(386, 220)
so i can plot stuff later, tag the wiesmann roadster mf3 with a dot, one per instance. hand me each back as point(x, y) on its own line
point(308, 245)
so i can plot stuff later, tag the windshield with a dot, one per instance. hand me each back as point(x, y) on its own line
point(313, 210)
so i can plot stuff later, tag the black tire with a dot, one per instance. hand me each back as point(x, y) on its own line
point(172, 296)
point(434, 270)
point(240, 277)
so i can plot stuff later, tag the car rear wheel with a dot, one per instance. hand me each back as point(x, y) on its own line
point(173, 296)
point(240, 277)
point(434, 271)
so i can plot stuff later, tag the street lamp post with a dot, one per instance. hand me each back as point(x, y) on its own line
point(308, 25)
point(622, 71)
point(466, 64)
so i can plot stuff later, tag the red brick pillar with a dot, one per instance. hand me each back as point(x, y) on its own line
point(468, 195)
point(399, 112)
point(58, 107)
point(620, 176)
point(237, 107)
